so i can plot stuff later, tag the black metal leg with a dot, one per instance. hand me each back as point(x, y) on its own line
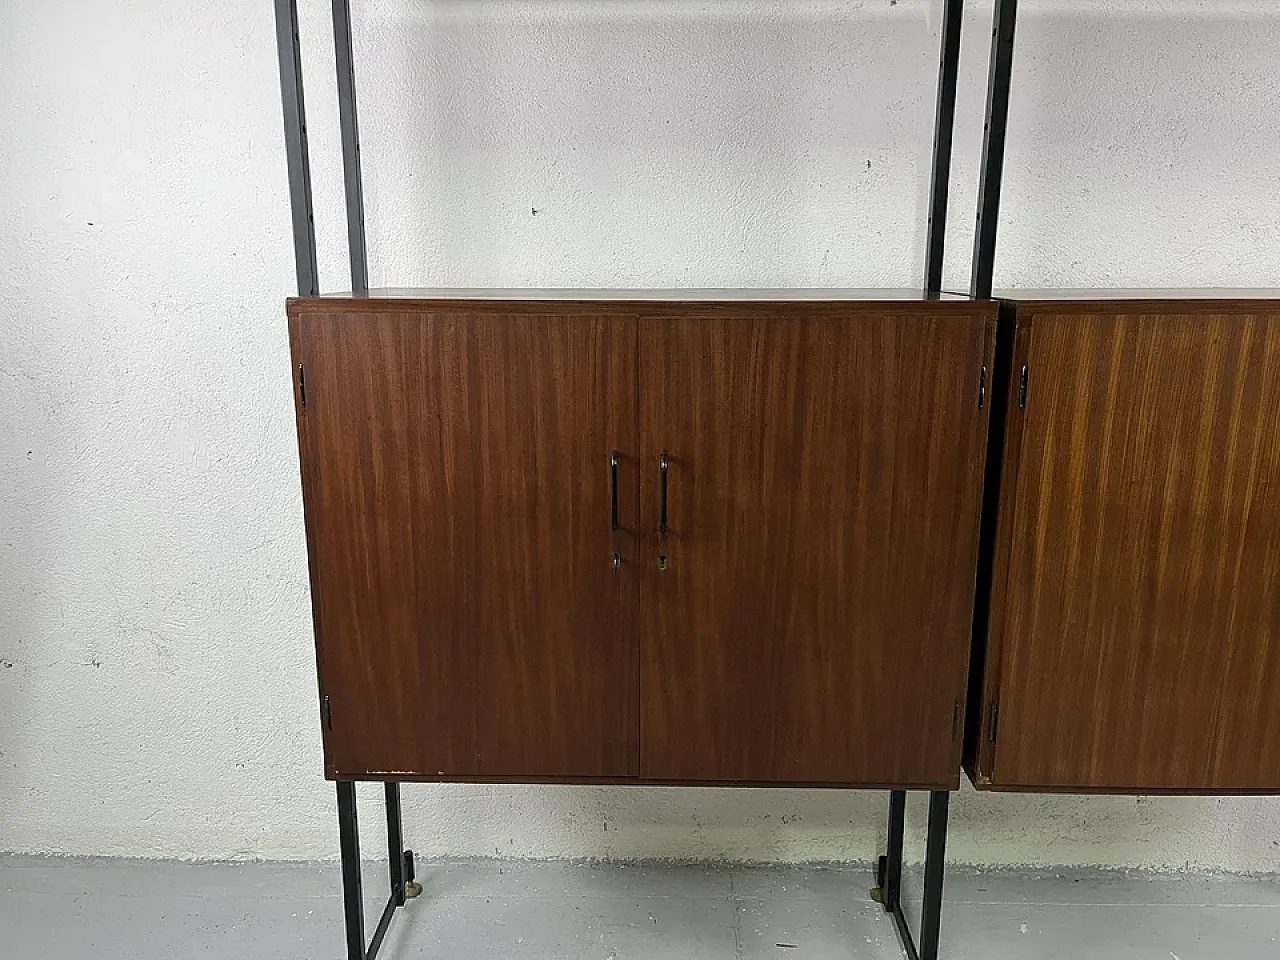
point(401, 870)
point(352, 884)
point(889, 874)
point(395, 843)
point(935, 859)
point(890, 878)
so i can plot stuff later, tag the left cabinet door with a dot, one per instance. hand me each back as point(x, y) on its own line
point(471, 618)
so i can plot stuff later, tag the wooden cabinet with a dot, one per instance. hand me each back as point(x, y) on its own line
point(657, 540)
point(1134, 639)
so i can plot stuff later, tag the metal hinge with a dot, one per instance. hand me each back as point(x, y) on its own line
point(993, 720)
point(302, 386)
point(982, 387)
point(328, 714)
point(1022, 388)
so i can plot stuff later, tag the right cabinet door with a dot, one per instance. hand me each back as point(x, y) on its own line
point(1135, 630)
point(810, 476)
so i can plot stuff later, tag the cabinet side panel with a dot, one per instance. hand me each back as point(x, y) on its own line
point(306, 461)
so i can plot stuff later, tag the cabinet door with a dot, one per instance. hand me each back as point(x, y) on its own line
point(469, 621)
point(806, 614)
point(1136, 618)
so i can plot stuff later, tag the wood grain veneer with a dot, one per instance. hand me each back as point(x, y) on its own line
point(469, 621)
point(811, 622)
point(813, 615)
point(1134, 643)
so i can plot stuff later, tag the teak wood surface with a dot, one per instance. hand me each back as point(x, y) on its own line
point(811, 621)
point(457, 488)
point(1135, 617)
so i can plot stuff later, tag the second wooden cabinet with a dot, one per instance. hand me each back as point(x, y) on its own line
point(696, 541)
point(1134, 641)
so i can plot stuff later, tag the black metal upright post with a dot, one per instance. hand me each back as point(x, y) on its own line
point(890, 878)
point(395, 844)
point(943, 137)
point(999, 79)
point(352, 883)
point(889, 867)
point(292, 99)
point(350, 146)
point(295, 142)
point(935, 859)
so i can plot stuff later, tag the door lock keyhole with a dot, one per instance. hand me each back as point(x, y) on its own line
point(662, 562)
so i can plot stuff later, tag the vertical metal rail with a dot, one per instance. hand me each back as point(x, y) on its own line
point(350, 146)
point(304, 249)
point(999, 78)
point(943, 138)
point(295, 141)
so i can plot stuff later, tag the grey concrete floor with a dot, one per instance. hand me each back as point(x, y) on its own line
point(71, 909)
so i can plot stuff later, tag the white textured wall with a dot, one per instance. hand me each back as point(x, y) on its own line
point(156, 673)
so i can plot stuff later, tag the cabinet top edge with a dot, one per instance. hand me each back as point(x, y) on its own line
point(1195, 298)
point(416, 299)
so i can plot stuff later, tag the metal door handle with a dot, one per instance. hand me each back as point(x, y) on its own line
point(613, 487)
point(662, 515)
